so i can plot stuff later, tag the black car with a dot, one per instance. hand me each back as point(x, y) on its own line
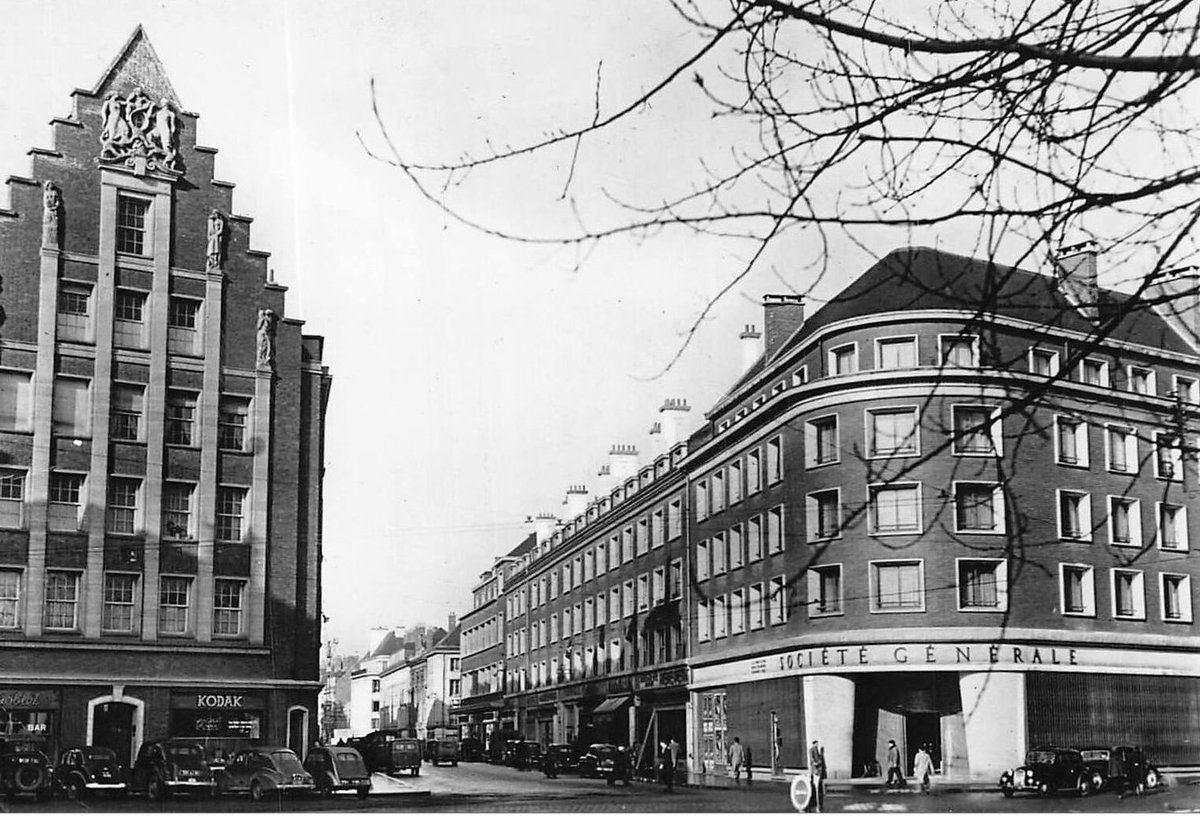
point(564, 755)
point(523, 754)
point(1118, 768)
point(472, 750)
point(24, 769)
point(1047, 770)
point(607, 761)
point(89, 770)
point(171, 766)
point(338, 768)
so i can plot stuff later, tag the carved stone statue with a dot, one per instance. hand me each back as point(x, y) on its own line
point(216, 231)
point(51, 205)
point(137, 129)
point(266, 339)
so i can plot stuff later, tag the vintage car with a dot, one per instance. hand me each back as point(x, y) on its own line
point(171, 766)
point(523, 754)
point(388, 751)
point(1118, 768)
point(472, 750)
point(88, 770)
point(444, 750)
point(338, 768)
point(263, 770)
point(564, 755)
point(607, 761)
point(24, 768)
point(1047, 770)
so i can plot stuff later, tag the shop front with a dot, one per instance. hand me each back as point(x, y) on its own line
point(220, 720)
point(31, 715)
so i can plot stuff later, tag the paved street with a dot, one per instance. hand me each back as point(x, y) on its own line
point(480, 787)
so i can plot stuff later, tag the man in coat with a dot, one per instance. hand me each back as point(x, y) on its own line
point(923, 768)
point(737, 758)
point(816, 774)
point(895, 774)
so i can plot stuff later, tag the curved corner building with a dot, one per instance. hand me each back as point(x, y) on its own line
point(951, 508)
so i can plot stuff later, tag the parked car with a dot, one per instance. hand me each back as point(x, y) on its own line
point(565, 756)
point(388, 751)
point(607, 761)
point(24, 768)
point(88, 770)
point(523, 754)
point(171, 766)
point(263, 770)
point(405, 754)
point(1120, 767)
point(471, 750)
point(338, 768)
point(1048, 770)
point(441, 751)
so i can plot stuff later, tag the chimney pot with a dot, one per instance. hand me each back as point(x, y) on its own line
point(782, 316)
point(1075, 271)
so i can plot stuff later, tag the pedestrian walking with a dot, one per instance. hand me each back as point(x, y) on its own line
point(736, 758)
point(895, 774)
point(748, 760)
point(923, 768)
point(666, 766)
point(816, 776)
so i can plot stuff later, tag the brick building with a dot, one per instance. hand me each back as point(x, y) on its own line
point(950, 508)
point(162, 436)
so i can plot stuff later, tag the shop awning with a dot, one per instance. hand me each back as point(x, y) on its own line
point(611, 704)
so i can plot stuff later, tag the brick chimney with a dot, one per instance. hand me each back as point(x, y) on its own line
point(576, 501)
point(1075, 271)
point(451, 623)
point(1175, 296)
point(782, 316)
point(751, 346)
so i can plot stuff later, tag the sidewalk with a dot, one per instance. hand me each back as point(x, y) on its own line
point(384, 784)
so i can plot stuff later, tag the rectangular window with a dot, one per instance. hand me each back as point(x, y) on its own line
point(717, 498)
point(231, 513)
point(589, 613)
point(174, 593)
point(62, 600)
point(1129, 594)
point(703, 621)
point(895, 508)
point(1093, 372)
point(16, 401)
point(1078, 590)
point(1172, 527)
point(64, 508)
point(1141, 381)
point(1176, 598)
point(677, 579)
point(737, 612)
point(658, 587)
point(129, 324)
point(774, 460)
point(1168, 457)
point(131, 225)
point(231, 423)
point(754, 541)
point(896, 353)
point(74, 319)
point(735, 482)
point(675, 519)
point(719, 554)
point(982, 585)
point(1187, 389)
point(753, 472)
point(737, 550)
point(614, 604)
point(589, 565)
point(821, 438)
point(702, 509)
point(627, 545)
point(756, 609)
point(979, 507)
point(1074, 515)
point(720, 617)
point(775, 530)
point(72, 413)
point(976, 430)
point(843, 359)
point(777, 606)
point(642, 542)
point(126, 412)
point(1124, 521)
point(702, 563)
point(658, 528)
point(181, 419)
point(628, 599)
point(120, 602)
point(892, 432)
point(12, 498)
point(10, 598)
point(1071, 441)
point(1122, 449)
point(643, 592)
point(824, 515)
point(898, 586)
point(824, 590)
point(183, 325)
point(960, 351)
point(227, 607)
point(123, 504)
point(177, 510)
point(577, 573)
point(1043, 362)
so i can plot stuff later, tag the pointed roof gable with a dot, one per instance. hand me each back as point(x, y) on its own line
point(137, 66)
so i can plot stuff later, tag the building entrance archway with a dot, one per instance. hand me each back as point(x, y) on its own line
point(116, 723)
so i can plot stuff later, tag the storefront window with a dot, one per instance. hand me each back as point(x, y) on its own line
point(712, 728)
point(219, 721)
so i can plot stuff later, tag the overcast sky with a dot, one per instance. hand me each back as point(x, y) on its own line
point(474, 378)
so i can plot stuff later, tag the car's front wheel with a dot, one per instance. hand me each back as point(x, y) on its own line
point(1083, 787)
point(256, 791)
point(1044, 789)
point(75, 789)
point(1153, 778)
point(1007, 791)
point(1097, 781)
point(156, 789)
